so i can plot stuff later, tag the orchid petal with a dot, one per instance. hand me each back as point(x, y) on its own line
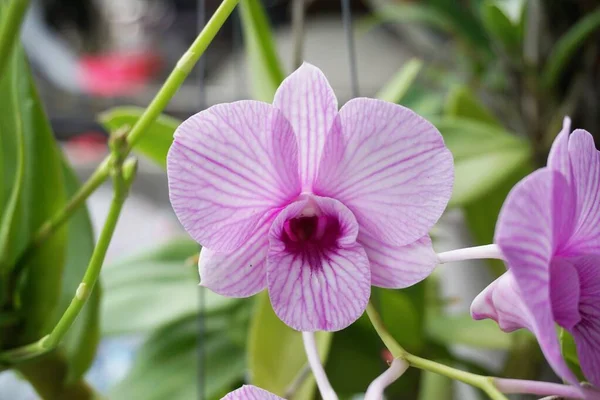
point(525, 234)
point(502, 302)
point(587, 332)
point(558, 159)
point(229, 168)
point(318, 288)
point(390, 167)
point(249, 392)
point(309, 103)
point(564, 293)
point(585, 165)
point(241, 273)
point(398, 267)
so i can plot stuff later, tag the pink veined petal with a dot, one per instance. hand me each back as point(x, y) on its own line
point(390, 167)
point(525, 234)
point(587, 332)
point(564, 293)
point(324, 289)
point(241, 273)
point(229, 167)
point(558, 159)
point(398, 267)
point(502, 302)
point(585, 165)
point(309, 103)
point(249, 392)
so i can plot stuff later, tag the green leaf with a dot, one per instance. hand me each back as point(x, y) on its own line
point(168, 364)
point(136, 289)
point(395, 90)
point(569, 352)
point(276, 354)
point(265, 66)
point(81, 341)
point(461, 102)
point(567, 45)
point(500, 27)
point(484, 156)
point(42, 194)
point(157, 140)
point(402, 313)
point(462, 329)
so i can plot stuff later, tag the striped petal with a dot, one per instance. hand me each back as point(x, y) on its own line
point(525, 234)
point(558, 159)
point(318, 287)
point(390, 167)
point(398, 267)
point(564, 293)
point(585, 165)
point(587, 332)
point(241, 273)
point(502, 302)
point(249, 392)
point(230, 168)
point(309, 103)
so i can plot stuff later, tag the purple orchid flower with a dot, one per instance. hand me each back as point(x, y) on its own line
point(250, 392)
point(314, 204)
point(549, 234)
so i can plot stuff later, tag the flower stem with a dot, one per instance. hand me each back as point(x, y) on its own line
point(470, 253)
point(538, 388)
point(123, 178)
point(314, 361)
point(158, 104)
point(482, 382)
point(377, 387)
point(9, 30)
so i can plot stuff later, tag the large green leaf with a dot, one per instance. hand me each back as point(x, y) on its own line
point(567, 45)
point(80, 343)
point(461, 102)
point(276, 353)
point(41, 195)
point(462, 329)
point(157, 140)
point(484, 156)
point(177, 361)
point(136, 290)
point(395, 90)
point(265, 66)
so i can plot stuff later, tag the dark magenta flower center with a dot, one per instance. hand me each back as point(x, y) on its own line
point(308, 232)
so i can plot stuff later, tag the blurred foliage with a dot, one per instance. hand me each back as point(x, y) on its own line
point(507, 73)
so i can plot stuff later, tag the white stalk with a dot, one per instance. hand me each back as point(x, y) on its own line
point(314, 361)
point(470, 253)
point(377, 387)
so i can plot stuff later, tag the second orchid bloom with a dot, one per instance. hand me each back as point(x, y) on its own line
point(312, 203)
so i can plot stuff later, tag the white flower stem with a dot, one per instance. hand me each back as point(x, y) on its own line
point(513, 386)
point(470, 253)
point(377, 387)
point(314, 361)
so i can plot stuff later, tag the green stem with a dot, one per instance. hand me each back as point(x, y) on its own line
point(182, 70)
point(123, 178)
point(484, 383)
point(10, 28)
point(156, 107)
